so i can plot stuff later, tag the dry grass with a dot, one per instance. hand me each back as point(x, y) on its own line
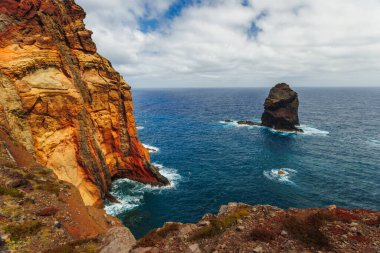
point(20, 231)
point(79, 246)
point(11, 192)
point(153, 237)
point(308, 230)
point(262, 234)
point(219, 225)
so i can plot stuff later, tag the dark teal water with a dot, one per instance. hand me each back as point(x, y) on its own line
point(336, 161)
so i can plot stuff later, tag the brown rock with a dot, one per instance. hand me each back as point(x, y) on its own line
point(48, 211)
point(281, 109)
point(118, 239)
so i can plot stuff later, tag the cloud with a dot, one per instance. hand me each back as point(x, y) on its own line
point(239, 43)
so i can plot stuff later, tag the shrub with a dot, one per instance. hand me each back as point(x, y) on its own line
point(307, 231)
point(262, 234)
point(79, 246)
point(219, 225)
point(11, 192)
point(153, 237)
point(22, 230)
point(375, 222)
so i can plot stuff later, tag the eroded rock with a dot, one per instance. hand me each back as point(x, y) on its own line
point(281, 109)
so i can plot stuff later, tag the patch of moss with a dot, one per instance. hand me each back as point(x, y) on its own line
point(20, 231)
point(11, 192)
point(219, 225)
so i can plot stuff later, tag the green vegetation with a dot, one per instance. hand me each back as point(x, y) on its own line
point(79, 246)
point(20, 231)
point(219, 225)
point(11, 192)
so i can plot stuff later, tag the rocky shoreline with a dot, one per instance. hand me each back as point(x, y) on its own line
point(67, 130)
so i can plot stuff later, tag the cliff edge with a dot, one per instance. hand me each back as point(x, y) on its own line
point(64, 102)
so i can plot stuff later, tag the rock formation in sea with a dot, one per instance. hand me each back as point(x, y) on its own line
point(64, 102)
point(281, 109)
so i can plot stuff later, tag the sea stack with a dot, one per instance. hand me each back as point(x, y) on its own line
point(64, 102)
point(281, 109)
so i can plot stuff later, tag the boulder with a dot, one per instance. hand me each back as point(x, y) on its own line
point(281, 109)
point(118, 239)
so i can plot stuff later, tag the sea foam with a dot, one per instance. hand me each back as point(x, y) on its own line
point(274, 175)
point(307, 130)
point(130, 193)
point(151, 149)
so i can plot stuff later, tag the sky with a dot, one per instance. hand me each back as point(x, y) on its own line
point(239, 43)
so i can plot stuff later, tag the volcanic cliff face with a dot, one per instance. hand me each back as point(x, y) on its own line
point(64, 102)
point(281, 109)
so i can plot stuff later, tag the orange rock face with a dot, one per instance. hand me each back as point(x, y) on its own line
point(64, 102)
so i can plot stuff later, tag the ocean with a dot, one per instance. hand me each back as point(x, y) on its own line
point(211, 163)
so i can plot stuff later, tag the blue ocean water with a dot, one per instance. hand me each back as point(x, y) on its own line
point(336, 160)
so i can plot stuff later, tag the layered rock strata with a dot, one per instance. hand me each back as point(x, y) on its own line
point(64, 102)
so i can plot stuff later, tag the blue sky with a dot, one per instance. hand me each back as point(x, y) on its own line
point(239, 43)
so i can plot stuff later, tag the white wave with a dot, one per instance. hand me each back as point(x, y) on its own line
point(130, 193)
point(374, 143)
point(151, 149)
point(282, 175)
point(307, 130)
point(235, 123)
point(139, 127)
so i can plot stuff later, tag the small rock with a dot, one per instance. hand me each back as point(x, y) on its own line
point(194, 248)
point(354, 224)
point(232, 204)
point(146, 250)
point(353, 229)
point(186, 229)
point(222, 209)
point(284, 233)
point(240, 228)
point(258, 249)
point(57, 224)
point(239, 221)
point(48, 211)
point(331, 207)
point(204, 223)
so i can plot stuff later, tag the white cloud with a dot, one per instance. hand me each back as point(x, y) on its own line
point(305, 43)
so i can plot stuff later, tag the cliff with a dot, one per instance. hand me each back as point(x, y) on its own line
point(39, 213)
point(243, 228)
point(64, 102)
